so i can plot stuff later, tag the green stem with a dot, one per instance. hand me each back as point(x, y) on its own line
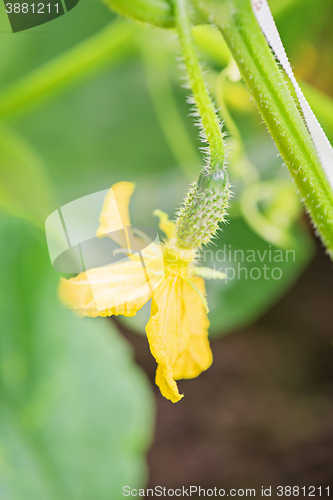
point(156, 12)
point(206, 203)
point(106, 47)
point(271, 93)
point(206, 110)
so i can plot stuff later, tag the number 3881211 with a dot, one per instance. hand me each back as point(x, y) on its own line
point(32, 8)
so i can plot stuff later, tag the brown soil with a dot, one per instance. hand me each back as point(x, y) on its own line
point(262, 415)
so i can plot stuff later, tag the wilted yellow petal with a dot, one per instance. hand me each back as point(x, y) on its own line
point(111, 290)
point(166, 383)
point(178, 333)
point(198, 356)
point(168, 333)
point(166, 225)
point(115, 212)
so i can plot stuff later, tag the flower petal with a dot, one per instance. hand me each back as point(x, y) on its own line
point(178, 333)
point(166, 225)
point(111, 290)
point(198, 356)
point(114, 217)
point(165, 381)
point(167, 333)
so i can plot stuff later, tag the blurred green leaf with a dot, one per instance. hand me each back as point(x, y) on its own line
point(113, 134)
point(27, 51)
point(279, 7)
point(156, 54)
point(76, 413)
point(212, 45)
point(24, 187)
point(108, 46)
point(243, 299)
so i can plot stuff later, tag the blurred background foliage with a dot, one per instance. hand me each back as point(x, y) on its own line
point(86, 101)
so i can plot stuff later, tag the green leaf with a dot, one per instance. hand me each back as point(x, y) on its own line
point(242, 298)
point(24, 188)
point(76, 414)
point(112, 136)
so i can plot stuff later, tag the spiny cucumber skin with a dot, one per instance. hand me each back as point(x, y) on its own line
point(204, 208)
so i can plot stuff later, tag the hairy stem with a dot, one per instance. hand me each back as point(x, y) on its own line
point(206, 110)
point(206, 202)
point(271, 93)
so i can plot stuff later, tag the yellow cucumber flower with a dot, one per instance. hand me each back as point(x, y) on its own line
point(177, 330)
